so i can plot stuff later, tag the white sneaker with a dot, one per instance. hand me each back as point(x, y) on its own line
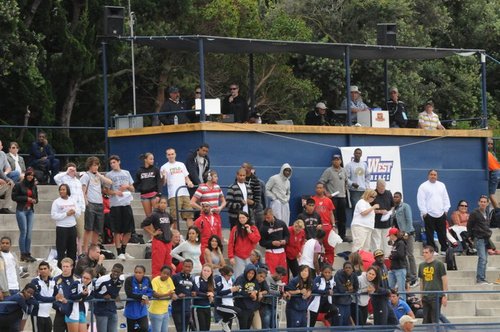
point(225, 326)
point(121, 256)
point(128, 256)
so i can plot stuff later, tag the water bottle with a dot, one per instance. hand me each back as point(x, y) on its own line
point(176, 120)
point(259, 120)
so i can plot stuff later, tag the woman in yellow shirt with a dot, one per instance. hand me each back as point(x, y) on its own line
point(163, 292)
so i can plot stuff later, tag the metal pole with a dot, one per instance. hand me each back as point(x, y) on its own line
point(131, 23)
point(251, 87)
point(386, 82)
point(105, 96)
point(202, 78)
point(484, 122)
point(347, 61)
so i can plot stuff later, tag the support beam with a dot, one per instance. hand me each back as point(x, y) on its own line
point(484, 106)
point(251, 82)
point(201, 56)
point(105, 100)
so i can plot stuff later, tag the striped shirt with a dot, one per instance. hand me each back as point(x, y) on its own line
point(211, 195)
point(429, 121)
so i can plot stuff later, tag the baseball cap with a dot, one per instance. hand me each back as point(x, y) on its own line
point(173, 89)
point(354, 88)
point(321, 106)
point(336, 156)
point(378, 252)
point(393, 231)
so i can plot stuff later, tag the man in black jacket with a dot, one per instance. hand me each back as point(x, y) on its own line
point(198, 165)
point(479, 228)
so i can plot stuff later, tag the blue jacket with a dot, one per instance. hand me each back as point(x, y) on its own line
point(183, 285)
point(63, 285)
point(345, 284)
point(21, 304)
point(135, 290)
point(107, 286)
point(200, 287)
point(296, 302)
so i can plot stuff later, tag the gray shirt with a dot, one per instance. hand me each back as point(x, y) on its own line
point(93, 185)
point(335, 180)
point(120, 178)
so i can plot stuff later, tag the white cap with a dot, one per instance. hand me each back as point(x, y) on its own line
point(321, 106)
point(354, 88)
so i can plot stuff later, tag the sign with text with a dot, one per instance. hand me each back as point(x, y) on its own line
point(383, 163)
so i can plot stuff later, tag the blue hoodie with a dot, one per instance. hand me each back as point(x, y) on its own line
point(296, 302)
point(243, 301)
point(135, 290)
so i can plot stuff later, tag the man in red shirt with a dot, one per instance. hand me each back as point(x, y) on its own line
point(209, 224)
point(324, 207)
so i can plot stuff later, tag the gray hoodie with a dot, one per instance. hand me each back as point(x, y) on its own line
point(278, 186)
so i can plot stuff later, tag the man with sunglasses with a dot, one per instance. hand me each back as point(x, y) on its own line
point(235, 105)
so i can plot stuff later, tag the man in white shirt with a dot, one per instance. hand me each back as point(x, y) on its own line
point(175, 175)
point(9, 268)
point(433, 202)
point(358, 177)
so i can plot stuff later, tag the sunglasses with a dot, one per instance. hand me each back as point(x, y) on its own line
point(462, 205)
point(233, 88)
point(197, 92)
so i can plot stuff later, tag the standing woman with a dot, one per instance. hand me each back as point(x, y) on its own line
point(163, 291)
point(363, 221)
point(148, 182)
point(190, 249)
point(65, 211)
point(81, 292)
point(242, 240)
point(298, 291)
point(294, 246)
point(214, 254)
point(15, 160)
point(399, 262)
point(204, 290)
point(378, 296)
point(25, 194)
point(138, 288)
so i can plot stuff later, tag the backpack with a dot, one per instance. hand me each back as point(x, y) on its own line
point(451, 263)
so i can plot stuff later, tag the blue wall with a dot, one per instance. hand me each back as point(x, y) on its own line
point(460, 161)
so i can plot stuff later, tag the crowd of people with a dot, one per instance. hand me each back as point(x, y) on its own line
point(269, 256)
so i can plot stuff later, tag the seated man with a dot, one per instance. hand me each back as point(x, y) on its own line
point(5, 165)
point(43, 157)
point(321, 116)
point(428, 119)
point(357, 105)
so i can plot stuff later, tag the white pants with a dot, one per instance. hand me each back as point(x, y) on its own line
point(281, 211)
point(380, 241)
point(361, 237)
point(239, 265)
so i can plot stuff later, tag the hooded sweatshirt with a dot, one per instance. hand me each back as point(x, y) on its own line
point(247, 286)
point(278, 186)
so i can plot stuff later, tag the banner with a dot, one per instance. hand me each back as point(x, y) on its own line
point(383, 163)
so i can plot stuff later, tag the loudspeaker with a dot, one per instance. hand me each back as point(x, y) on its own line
point(386, 34)
point(113, 20)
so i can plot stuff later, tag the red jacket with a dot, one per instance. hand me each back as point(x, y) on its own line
point(207, 230)
point(295, 244)
point(242, 246)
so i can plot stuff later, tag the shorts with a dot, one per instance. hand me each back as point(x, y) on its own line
point(184, 204)
point(94, 217)
point(493, 182)
point(81, 319)
point(122, 219)
point(149, 196)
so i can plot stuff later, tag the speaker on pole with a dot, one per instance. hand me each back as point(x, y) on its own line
point(386, 34)
point(113, 20)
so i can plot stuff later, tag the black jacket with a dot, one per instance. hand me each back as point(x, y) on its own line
point(478, 226)
point(20, 194)
point(398, 255)
point(397, 113)
point(192, 168)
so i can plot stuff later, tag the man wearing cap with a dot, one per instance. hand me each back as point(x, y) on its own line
point(173, 104)
point(406, 323)
point(428, 119)
point(357, 105)
point(235, 105)
point(321, 116)
point(335, 180)
point(396, 108)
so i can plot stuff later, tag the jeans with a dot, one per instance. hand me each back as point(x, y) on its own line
point(398, 277)
point(482, 259)
point(107, 323)
point(25, 222)
point(14, 175)
point(159, 323)
point(266, 316)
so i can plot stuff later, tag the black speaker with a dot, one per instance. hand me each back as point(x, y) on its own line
point(113, 20)
point(386, 34)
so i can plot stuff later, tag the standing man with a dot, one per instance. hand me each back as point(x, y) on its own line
point(173, 104)
point(335, 180)
point(434, 203)
point(382, 224)
point(479, 228)
point(402, 218)
point(253, 183)
point(42, 157)
point(92, 183)
point(120, 197)
point(397, 111)
point(235, 105)
point(494, 172)
point(274, 236)
point(432, 274)
point(198, 165)
point(311, 218)
point(358, 177)
point(175, 175)
point(9, 269)
point(428, 119)
point(239, 198)
point(278, 190)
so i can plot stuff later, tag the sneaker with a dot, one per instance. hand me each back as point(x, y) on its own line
point(24, 275)
point(414, 283)
point(443, 253)
point(225, 326)
point(483, 282)
point(121, 256)
point(128, 256)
